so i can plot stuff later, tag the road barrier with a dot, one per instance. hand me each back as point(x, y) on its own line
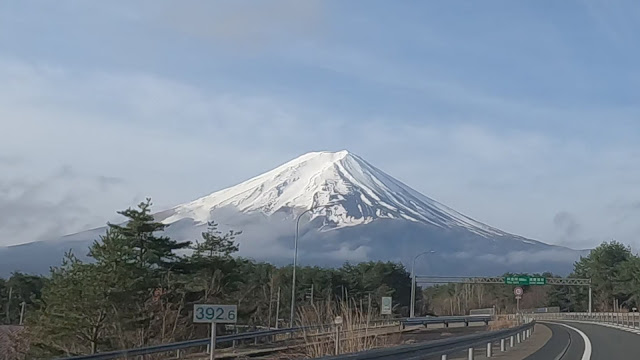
point(486, 311)
point(269, 335)
point(178, 346)
point(446, 320)
point(630, 320)
point(468, 344)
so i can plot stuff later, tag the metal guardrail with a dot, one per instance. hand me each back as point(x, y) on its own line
point(629, 319)
point(446, 347)
point(447, 320)
point(255, 335)
point(188, 344)
point(181, 345)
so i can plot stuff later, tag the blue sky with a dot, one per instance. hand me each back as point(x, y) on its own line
point(521, 114)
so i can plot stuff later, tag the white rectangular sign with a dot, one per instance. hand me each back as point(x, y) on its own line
point(206, 313)
point(386, 305)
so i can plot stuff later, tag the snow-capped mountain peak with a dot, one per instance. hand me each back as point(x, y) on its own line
point(341, 186)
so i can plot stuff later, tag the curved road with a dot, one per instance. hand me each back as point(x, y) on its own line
point(603, 343)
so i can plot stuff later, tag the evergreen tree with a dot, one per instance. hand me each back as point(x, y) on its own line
point(212, 264)
point(75, 305)
point(215, 244)
point(603, 266)
point(140, 235)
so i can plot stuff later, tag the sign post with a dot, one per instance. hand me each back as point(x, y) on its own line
point(385, 309)
point(214, 314)
point(338, 322)
point(518, 293)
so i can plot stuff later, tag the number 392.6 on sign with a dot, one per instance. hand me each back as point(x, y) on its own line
point(206, 313)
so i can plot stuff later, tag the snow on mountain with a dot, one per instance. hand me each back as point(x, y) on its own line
point(359, 213)
point(340, 186)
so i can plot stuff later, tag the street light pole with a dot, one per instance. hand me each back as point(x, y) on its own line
point(295, 264)
point(413, 283)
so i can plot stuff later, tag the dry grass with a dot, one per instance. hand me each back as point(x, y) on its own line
point(502, 322)
point(355, 333)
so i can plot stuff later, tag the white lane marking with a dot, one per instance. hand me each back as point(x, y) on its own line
point(587, 344)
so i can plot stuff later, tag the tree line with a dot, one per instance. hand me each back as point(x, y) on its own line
point(140, 286)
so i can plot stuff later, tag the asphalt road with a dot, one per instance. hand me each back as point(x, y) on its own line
point(606, 343)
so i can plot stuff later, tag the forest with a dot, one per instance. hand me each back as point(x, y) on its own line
point(140, 287)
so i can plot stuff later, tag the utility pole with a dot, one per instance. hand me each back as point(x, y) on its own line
point(278, 307)
point(270, 304)
point(22, 312)
point(413, 284)
point(369, 312)
point(9, 305)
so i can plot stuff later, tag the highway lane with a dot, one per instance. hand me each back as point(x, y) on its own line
point(565, 344)
point(606, 343)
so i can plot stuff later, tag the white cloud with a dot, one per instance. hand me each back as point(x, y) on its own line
point(175, 141)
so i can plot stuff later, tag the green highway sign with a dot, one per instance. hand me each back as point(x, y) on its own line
point(516, 280)
point(537, 280)
point(525, 280)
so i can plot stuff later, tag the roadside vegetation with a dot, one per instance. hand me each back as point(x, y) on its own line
point(137, 291)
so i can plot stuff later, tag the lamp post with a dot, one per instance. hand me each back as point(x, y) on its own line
point(413, 283)
point(295, 262)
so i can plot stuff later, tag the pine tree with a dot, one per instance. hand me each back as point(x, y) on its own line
point(212, 263)
point(137, 262)
point(75, 304)
point(139, 234)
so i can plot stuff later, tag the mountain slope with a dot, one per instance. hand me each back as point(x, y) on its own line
point(357, 213)
point(341, 186)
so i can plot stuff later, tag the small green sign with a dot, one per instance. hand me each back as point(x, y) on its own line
point(537, 280)
point(525, 280)
point(516, 280)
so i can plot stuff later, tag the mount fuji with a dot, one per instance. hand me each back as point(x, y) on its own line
point(348, 210)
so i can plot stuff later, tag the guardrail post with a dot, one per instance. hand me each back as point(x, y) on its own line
point(502, 345)
point(512, 342)
point(489, 348)
point(255, 340)
point(518, 340)
point(470, 357)
point(444, 357)
point(178, 354)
